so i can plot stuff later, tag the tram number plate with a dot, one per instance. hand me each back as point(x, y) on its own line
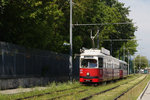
point(88, 80)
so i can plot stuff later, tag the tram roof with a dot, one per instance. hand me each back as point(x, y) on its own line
point(121, 61)
point(96, 52)
point(92, 52)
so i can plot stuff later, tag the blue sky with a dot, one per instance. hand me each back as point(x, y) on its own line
point(140, 13)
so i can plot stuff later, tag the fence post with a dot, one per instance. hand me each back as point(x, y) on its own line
point(24, 64)
point(3, 63)
point(15, 63)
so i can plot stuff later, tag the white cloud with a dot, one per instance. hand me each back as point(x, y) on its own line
point(140, 13)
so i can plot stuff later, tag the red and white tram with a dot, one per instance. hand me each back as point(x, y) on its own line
point(98, 66)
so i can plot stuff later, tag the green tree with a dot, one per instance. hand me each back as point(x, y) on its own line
point(104, 12)
point(33, 24)
point(128, 48)
point(45, 24)
point(140, 62)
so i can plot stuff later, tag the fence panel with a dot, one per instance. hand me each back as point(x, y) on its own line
point(9, 63)
point(17, 61)
point(1, 65)
point(76, 64)
point(20, 64)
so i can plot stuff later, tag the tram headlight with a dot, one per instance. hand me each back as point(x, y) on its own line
point(88, 74)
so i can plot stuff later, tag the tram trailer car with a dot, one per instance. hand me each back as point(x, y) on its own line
point(123, 69)
point(98, 66)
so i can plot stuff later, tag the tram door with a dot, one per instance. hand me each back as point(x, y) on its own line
point(100, 60)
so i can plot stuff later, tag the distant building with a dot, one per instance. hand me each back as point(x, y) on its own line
point(147, 70)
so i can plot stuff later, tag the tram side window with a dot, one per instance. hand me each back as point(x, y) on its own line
point(120, 66)
point(125, 66)
point(100, 62)
point(84, 63)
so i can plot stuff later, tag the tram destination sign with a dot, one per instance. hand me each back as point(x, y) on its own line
point(88, 57)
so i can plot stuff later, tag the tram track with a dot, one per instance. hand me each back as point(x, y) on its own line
point(107, 90)
point(129, 89)
point(67, 94)
point(86, 98)
point(72, 93)
point(47, 93)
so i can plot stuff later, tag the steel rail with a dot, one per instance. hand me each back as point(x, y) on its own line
point(86, 98)
point(129, 89)
point(67, 94)
point(141, 95)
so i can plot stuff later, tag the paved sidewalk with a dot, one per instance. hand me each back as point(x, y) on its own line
point(146, 95)
point(21, 90)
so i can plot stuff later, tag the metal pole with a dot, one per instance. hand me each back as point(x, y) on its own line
point(3, 62)
point(98, 40)
point(128, 63)
point(111, 46)
point(70, 58)
point(123, 53)
point(134, 64)
point(15, 64)
point(93, 43)
point(140, 64)
point(119, 54)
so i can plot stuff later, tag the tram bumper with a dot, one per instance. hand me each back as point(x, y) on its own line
point(85, 79)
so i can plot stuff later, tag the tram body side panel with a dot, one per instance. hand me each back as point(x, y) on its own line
point(91, 75)
point(108, 74)
point(105, 75)
point(125, 73)
point(116, 74)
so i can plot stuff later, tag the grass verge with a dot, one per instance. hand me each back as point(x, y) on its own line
point(50, 88)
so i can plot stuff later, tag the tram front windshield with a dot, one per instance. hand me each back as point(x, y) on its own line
point(88, 63)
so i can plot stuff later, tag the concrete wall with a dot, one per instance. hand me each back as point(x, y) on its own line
point(27, 82)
